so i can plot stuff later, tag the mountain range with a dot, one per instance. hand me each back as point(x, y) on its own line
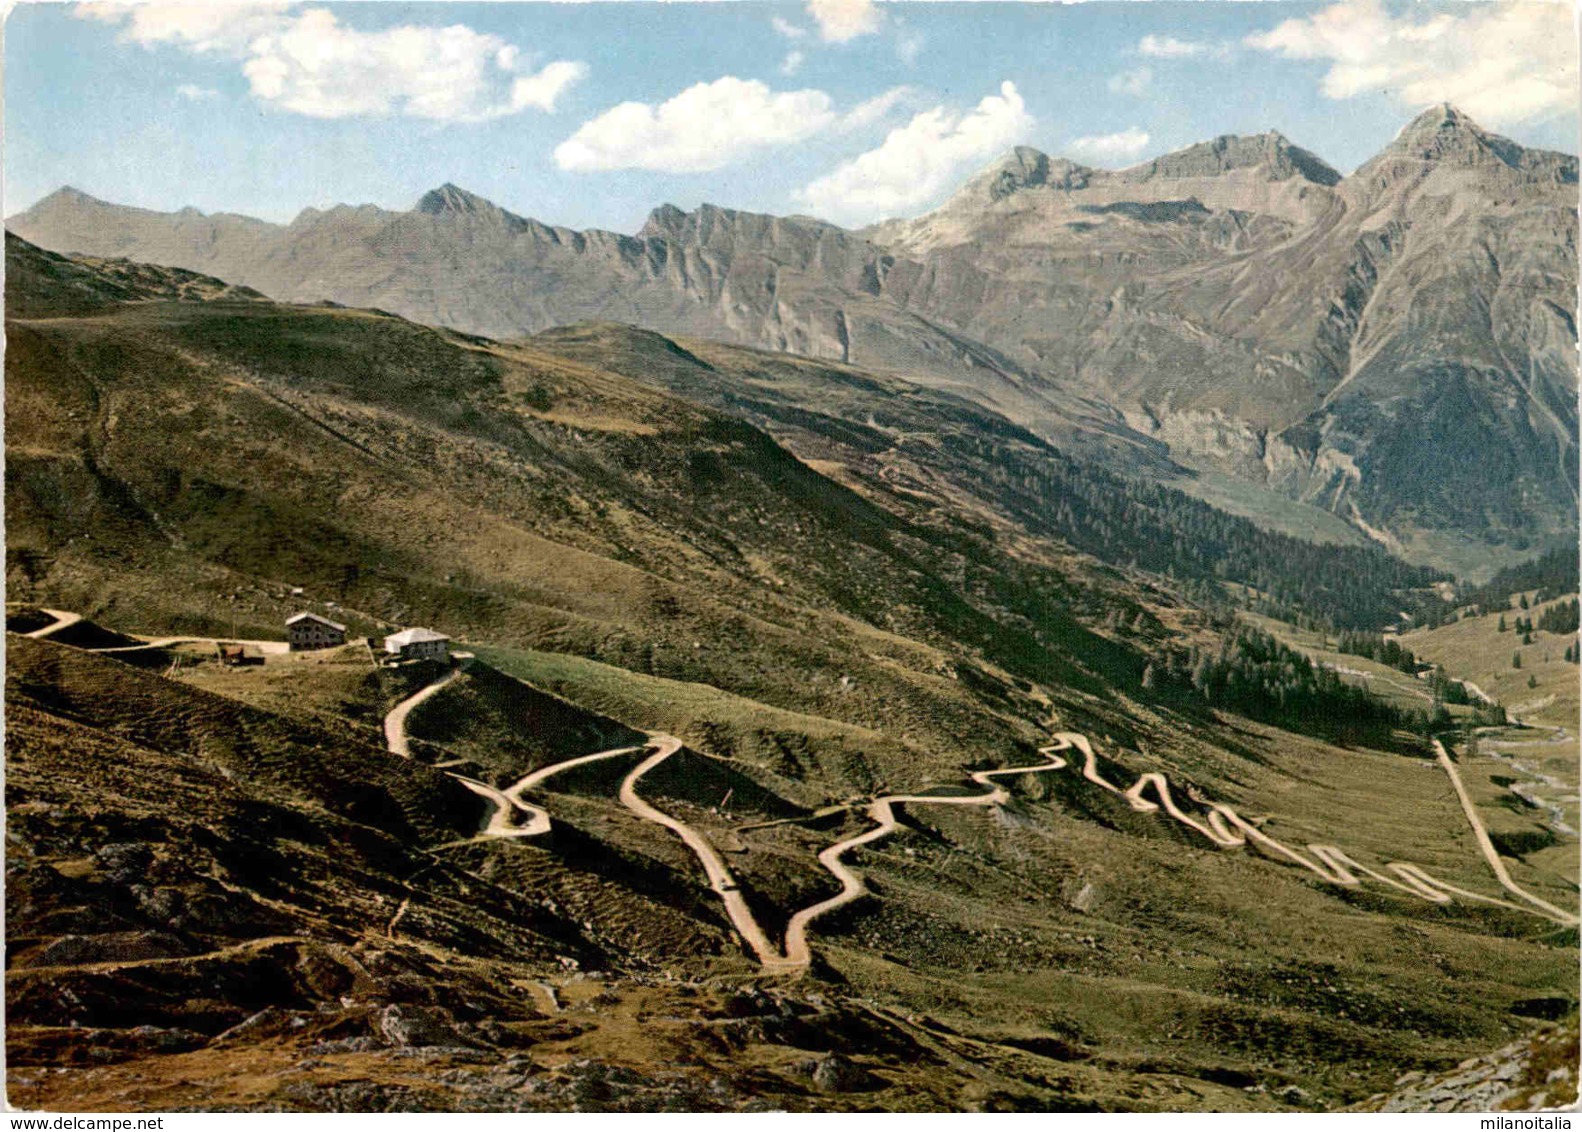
point(1395, 346)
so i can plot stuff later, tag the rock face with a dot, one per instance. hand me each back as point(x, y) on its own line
point(1395, 346)
point(1531, 1075)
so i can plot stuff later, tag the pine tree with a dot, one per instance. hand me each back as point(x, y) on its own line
point(1501, 626)
point(1516, 660)
point(1524, 601)
point(1532, 681)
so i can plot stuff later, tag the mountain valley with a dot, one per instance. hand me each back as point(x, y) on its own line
point(779, 594)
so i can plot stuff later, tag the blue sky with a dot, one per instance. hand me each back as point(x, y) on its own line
point(591, 114)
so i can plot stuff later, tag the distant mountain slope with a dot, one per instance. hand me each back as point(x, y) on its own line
point(1395, 346)
point(40, 284)
point(875, 431)
point(458, 260)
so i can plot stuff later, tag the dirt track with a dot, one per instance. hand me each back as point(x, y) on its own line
point(1496, 865)
point(882, 811)
point(1220, 824)
point(395, 721)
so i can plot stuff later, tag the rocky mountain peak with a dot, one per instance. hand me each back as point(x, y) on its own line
point(1024, 167)
point(73, 195)
point(669, 223)
point(1443, 134)
point(709, 223)
point(451, 200)
point(1019, 168)
point(1271, 151)
point(66, 197)
point(666, 220)
point(1439, 122)
point(339, 213)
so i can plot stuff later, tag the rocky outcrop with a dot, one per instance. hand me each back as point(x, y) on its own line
point(1531, 1075)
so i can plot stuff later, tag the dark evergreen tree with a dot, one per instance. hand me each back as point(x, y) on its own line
point(1560, 617)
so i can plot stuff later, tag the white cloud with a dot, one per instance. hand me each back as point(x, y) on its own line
point(204, 28)
point(920, 160)
point(792, 63)
point(310, 63)
point(1109, 148)
point(788, 29)
point(705, 127)
point(1169, 47)
point(842, 20)
point(194, 93)
point(542, 89)
point(871, 111)
point(1135, 81)
point(1500, 63)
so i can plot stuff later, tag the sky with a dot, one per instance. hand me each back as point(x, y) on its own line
point(592, 114)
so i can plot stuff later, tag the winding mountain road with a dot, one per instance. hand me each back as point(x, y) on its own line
point(533, 779)
point(720, 878)
point(504, 804)
point(882, 812)
point(511, 816)
point(272, 648)
point(1224, 827)
point(1220, 824)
